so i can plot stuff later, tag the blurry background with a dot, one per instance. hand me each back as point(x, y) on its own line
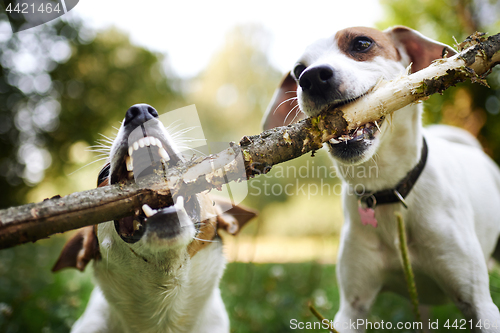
point(65, 86)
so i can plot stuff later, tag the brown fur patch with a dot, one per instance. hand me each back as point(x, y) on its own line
point(383, 44)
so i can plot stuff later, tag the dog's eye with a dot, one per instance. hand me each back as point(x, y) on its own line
point(299, 68)
point(362, 44)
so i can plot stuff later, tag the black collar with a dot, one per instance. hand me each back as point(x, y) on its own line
point(401, 190)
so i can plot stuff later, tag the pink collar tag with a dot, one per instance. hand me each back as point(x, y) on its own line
point(367, 216)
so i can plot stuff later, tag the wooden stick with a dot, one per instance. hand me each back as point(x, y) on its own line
point(322, 319)
point(253, 156)
point(408, 271)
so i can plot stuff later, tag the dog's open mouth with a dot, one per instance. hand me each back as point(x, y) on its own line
point(166, 222)
point(366, 131)
point(143, 157)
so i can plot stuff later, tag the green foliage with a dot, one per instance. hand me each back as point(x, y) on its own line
point(471, 106)
point(235, 87)
point(60, 84)
point(265, 297)
point(32, 299)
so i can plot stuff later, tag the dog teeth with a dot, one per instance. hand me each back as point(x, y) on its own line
point(130, 163)
point(179, 204)
point(147, 141)
point(148, 211)
point(333, 141)
point(163, 153)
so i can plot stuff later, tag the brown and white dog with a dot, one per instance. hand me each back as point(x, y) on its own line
point(450, 187)
point(157, 271)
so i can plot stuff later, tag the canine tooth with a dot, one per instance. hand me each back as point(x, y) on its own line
point(141, 142)
point(163, 153)
point(179, 203)
point(130, 163)
point(146, 141)
point(148, 211)
point(130, 150)
point(135, 145)
point(359, 132)
point(334, 141)
point(158, 143)
point(376, 124)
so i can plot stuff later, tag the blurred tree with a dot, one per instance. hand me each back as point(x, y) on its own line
point(235, 88)
point(61, 85)
point(470, 106)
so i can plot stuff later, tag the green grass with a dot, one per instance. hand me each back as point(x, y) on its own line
point(265, 297)
point(32, 299)
point(259, 297)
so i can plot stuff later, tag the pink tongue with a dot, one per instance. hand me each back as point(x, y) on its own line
point(367, 216)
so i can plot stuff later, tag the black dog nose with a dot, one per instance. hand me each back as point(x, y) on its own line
point(317, 80)
point(138, 114)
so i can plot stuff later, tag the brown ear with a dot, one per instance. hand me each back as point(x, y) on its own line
point(232, 218)
point(421, 50)
point(79, 250)
point(283, 109)
point(103, 177)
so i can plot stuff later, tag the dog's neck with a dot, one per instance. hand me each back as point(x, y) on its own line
point(159, 297)
point(398, 153)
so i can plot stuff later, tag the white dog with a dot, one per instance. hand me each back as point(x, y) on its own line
point(450, 187)
point(157, 271)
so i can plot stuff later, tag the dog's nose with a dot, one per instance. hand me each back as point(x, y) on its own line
point(317, 80)
point(138, 114)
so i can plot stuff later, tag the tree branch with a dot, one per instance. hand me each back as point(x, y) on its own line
point(254, 154)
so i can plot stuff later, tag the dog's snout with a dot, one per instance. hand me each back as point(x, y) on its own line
point(138, 114)
point(317, 80)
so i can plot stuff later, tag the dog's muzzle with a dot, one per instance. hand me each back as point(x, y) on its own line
point(144, 147)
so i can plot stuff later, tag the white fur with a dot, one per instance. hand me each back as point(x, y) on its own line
point(154, 285)
point(452, 221)
point(169, 293)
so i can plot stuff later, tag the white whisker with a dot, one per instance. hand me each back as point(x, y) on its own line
point(288, 114)
point(298, 111)
point(291, 99)
point(206, 240)
point(86, 165)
